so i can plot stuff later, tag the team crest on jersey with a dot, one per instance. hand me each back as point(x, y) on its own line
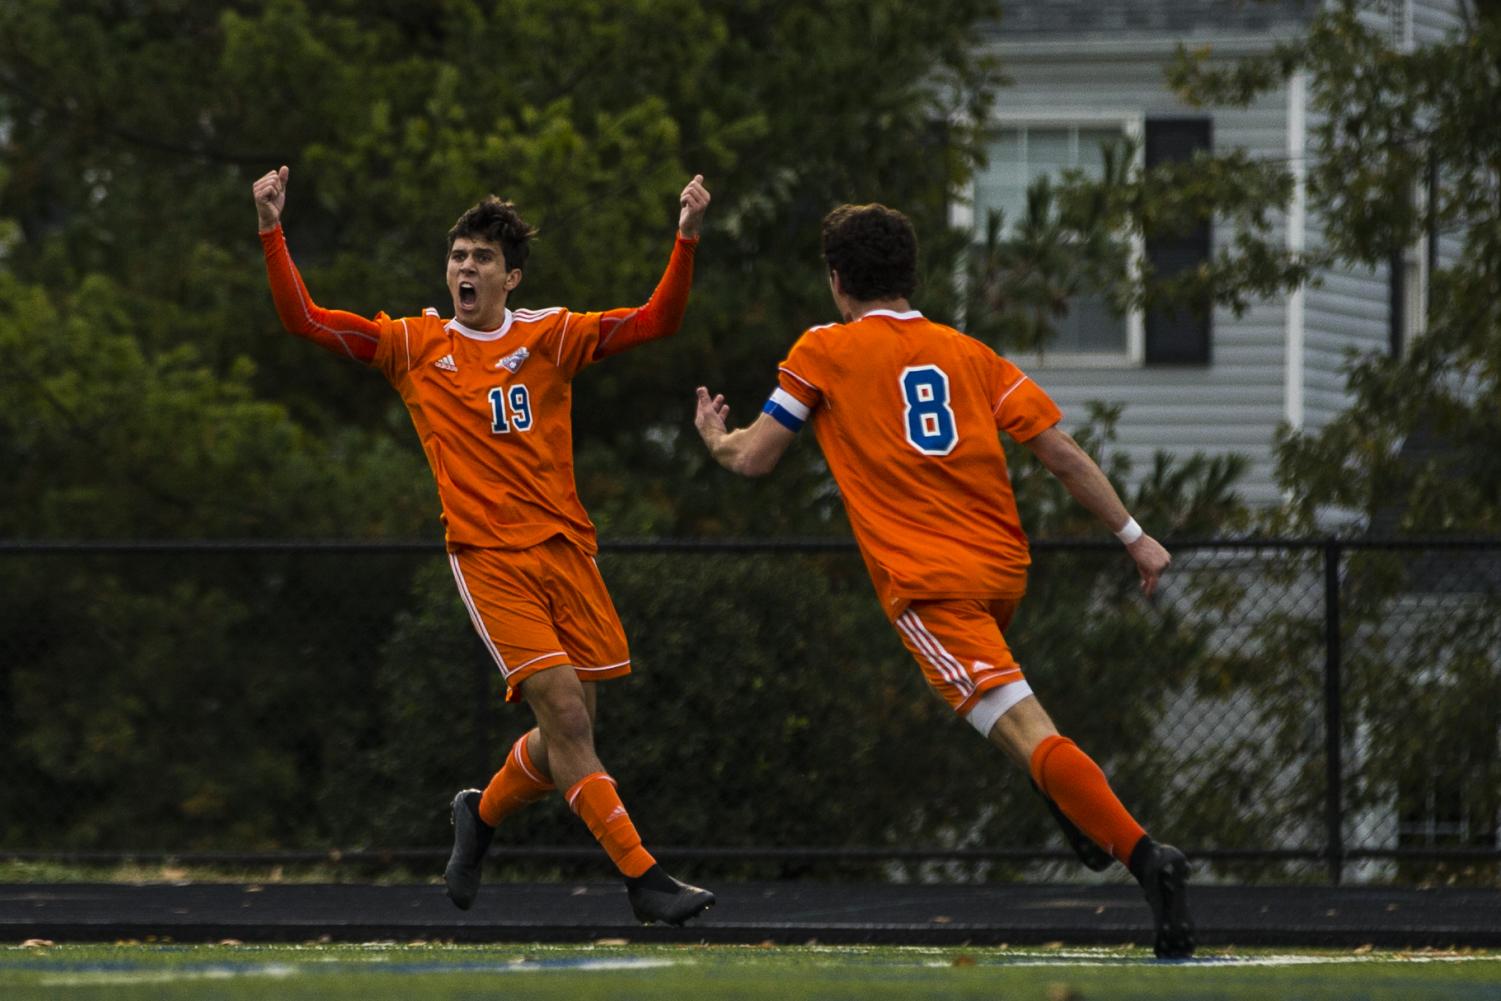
point(514, 360)
point(446, 364)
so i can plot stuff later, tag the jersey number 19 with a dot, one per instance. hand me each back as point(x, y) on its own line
point(510, 409)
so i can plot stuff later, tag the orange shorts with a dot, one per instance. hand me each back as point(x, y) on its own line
point(960, 646)
point(539, 608)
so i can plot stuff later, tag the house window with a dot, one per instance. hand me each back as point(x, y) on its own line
point(1178, 336)
point(1018, 155)
point(1408, 276)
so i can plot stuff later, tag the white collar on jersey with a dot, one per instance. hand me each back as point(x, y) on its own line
point(910, 314)
point(481, 335)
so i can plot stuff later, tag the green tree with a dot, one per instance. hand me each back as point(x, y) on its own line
point(146, 390)
point(132, 131)
point(1403, 150)
point(1390, 124)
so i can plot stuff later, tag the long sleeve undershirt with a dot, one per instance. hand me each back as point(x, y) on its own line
point(350, 334)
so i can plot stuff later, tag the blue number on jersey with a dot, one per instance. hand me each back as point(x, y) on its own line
point(521, 408)
point(520, 416)
point(929, 418)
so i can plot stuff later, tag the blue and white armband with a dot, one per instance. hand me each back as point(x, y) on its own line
point(789, 411)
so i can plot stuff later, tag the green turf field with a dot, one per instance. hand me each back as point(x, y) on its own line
point(580, 973)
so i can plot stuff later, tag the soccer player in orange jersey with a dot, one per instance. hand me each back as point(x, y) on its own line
point(489, 391)
point(907, 413)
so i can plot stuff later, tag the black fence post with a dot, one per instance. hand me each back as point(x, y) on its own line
point(1333, 716)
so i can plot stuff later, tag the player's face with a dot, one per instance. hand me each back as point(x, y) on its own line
point(479, 282)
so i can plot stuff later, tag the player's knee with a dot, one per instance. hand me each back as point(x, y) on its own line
point(997, 702)
point(565, 722)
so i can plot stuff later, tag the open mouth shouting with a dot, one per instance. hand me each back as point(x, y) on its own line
point(479, 282)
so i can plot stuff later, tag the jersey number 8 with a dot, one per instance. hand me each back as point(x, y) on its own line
point(928, 416)
point(518, 401)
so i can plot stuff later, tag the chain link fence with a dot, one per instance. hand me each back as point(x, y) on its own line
point(1285, 709)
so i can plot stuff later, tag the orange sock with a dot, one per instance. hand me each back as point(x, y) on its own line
point(594, 799)
point(1071, 779)
point(516, 784)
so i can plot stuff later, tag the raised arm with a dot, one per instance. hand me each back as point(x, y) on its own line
point(335, 330)
point(1089, 485)
point(750, 451)
point(622, 329)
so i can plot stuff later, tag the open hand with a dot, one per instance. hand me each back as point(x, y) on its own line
point(712, 411)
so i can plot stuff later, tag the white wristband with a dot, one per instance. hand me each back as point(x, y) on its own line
point(1130, 531)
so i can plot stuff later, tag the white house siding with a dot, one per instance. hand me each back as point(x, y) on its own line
point(1432, 20)
point(1415, 22)
point(1349, 308)
point(1346, 311)
point(1233, 404)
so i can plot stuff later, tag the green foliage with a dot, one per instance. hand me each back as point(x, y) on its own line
point(132, 136)
point(1187, 498)
point(1402, 151)
point(1080, 235)
point(105, 438)
point(140, 698)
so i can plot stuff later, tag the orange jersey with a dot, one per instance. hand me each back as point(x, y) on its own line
point(906, 412)
point(494, 413)
point(493, 409)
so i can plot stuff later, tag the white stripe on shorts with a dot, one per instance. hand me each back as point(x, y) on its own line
point(540, 656)
point(945, 663)
point(479, 624)
point(607, 667)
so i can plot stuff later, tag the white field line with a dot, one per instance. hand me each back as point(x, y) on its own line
point(1064, 959)
point(115, 978)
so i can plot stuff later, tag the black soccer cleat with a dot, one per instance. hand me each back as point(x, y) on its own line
point(1162, 872)
point(471, 840)
point(1092, 855)
point(656, 896)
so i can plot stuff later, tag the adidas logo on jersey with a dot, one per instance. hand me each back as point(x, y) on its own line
point(512, 361)
point(446, 364)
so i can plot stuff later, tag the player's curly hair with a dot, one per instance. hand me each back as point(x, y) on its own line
point(874, 249)
point(497, 221)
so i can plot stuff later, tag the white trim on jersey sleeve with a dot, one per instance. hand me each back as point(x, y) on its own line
point(1009, 390)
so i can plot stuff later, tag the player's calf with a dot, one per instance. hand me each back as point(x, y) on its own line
point(1092, 855)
